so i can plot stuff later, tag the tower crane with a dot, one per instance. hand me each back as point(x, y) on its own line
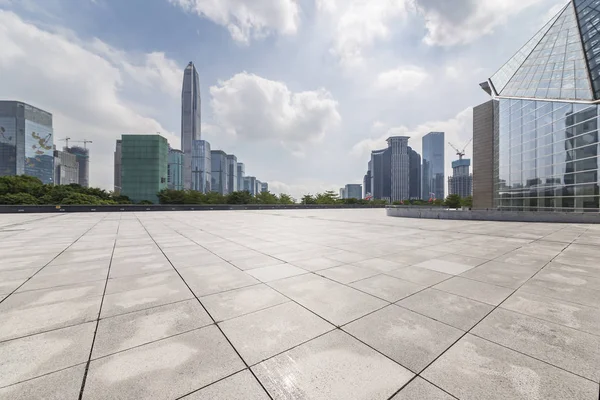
point(460, 153)
point(66, 140)
point(84, 141)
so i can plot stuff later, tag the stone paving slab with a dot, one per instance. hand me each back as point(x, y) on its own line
point(298, 304)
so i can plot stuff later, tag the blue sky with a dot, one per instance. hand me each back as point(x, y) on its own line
point(300, 91)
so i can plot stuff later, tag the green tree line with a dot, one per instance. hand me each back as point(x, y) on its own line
point(452, 201)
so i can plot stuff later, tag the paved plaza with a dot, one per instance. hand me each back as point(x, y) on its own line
point(298, 304)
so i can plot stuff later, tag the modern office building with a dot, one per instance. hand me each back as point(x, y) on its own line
point(258, 186)
point(201, 166)
point(342, 193)
point(26, 141)
point(544, 128)
point(381, 174)
point(190, 119)
point(218, 177)
point(433, 166)
point(353, 191)
point(82, 155)
point(232, 181)
point(400, 167)
point(461, 181)
point(175, 170)
point(250, 185)
point(483, 155)
point(144, 161)
point(117, 167)
point(367, 181)
point(264, 187)
point(66, 168)
point(241, 172)
point(414, 171)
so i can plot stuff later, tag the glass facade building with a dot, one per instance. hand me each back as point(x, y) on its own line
point(117, 170)
point(201, 166)
point(175, 169)
point(241, 172)
point(190, 119)
point(26, 141)
point(461, 181)
point(144, 160)
point(545, 125)
point(218, 178)
point(434, 184)
point(250, 185)
point(414, 168)
point(381, 174)
point(83, 159)
point(232, 181)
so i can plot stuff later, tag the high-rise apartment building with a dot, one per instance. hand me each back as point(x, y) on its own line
point(117, 167)
point(144, 160)
point(232, 180)
point(66, 168)
point(400, 167)
point(264, 187)
point(250, 185)
point(433, 166)
point(190, 119)
point(353, 191)
point(201, 166)
point(461, 181)
point(381, 174)
point(82, 155)
point(414, 171)
point(367, 181)
point(218, 178)
point(241, 172)
point(26, 141)
point(544, 128)
point(175, 170)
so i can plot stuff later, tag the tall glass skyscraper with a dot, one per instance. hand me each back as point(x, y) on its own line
point(400, 161)
point(543, 122)
point(433, 166)
point(201, 166)
point(190, 119)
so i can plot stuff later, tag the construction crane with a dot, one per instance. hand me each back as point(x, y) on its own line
point(84, 141)
point(66, 140)
point(460, 153)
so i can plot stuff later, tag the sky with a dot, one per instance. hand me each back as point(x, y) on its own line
point(299, 90)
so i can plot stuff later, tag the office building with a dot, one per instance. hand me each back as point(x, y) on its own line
point(175, 170)
point(144, 161)
point(232, 180)
point(190, 119)
point(26, 141)
point(264, 187)
point(545, 124)
point(400, 167)
point(218, 177)
point(117, 168)
point(381, 174)
point(434, 184)
point(414, 172)
point(483, 155)
point(82, 155)
point(353, 191)
point(241, 172)
point(66, 168)
point(250, 185)
point(258, 186)
point(367, 181)
point(342, 193)
point(201, 166)
point(461, 181)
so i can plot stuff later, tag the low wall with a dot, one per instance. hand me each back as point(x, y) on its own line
point(492, 215)
point(173, 207)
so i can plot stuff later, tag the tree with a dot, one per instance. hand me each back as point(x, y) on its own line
point(467, 201)
point(329, 197)
point(18, 199)
point(453, 201)
point(308, 199)
point(147, 202)
point(240, 197)
point(169, 196)
point(285, 199)
point(266, 198)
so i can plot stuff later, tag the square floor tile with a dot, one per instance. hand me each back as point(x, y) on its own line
point(501, 274)
point(421, 276)
point(125, 283)
point(40, 354)
point(475, 369)
point(420, 389)
point(334, 302)
point(332, 367)
point(410, 339)
point(347, 273)
point(567, 348)
point(274, 272)
point(126, 331)
point(263, 334)
point(387, 287)
point(316, 264)
point(165, 369)
point(205, 281)
point(457, 311)
point(560, 291)
point(61, 385)
point(255, 262)
point(233, 303)
point(446, 267)
point(475, 290)
point(241, 386)
point(379, 264)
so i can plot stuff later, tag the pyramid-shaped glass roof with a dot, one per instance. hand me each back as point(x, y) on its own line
point(554, 63)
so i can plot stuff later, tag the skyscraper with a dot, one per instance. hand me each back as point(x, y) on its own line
point(66, 168)
point(367, 181)
point(190, 119)
point(232, 180)
point(414, 167)
point(264, 187)
point(381, 174)
point(400, 163)
point(201, 166)
point(543, 122)
point(26, 141)
point(250, 185)
point(117, 170)
point(241, 172)
point(353, 191)
point(433, 166)
point(461, 181)
point(82, 155)
point(175, 169)
point(218, 177)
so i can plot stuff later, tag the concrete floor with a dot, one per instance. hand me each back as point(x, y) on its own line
point(323, 304)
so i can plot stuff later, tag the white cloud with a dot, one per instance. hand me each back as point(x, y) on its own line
point(79, 86)
point(257, 109)
point(403, 79)
point(459, 22)
point(247, 20)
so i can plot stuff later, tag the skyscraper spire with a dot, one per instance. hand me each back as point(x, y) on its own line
point(190, 119)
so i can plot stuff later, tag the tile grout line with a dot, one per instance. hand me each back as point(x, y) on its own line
point(87, 366)
point(207, 312)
